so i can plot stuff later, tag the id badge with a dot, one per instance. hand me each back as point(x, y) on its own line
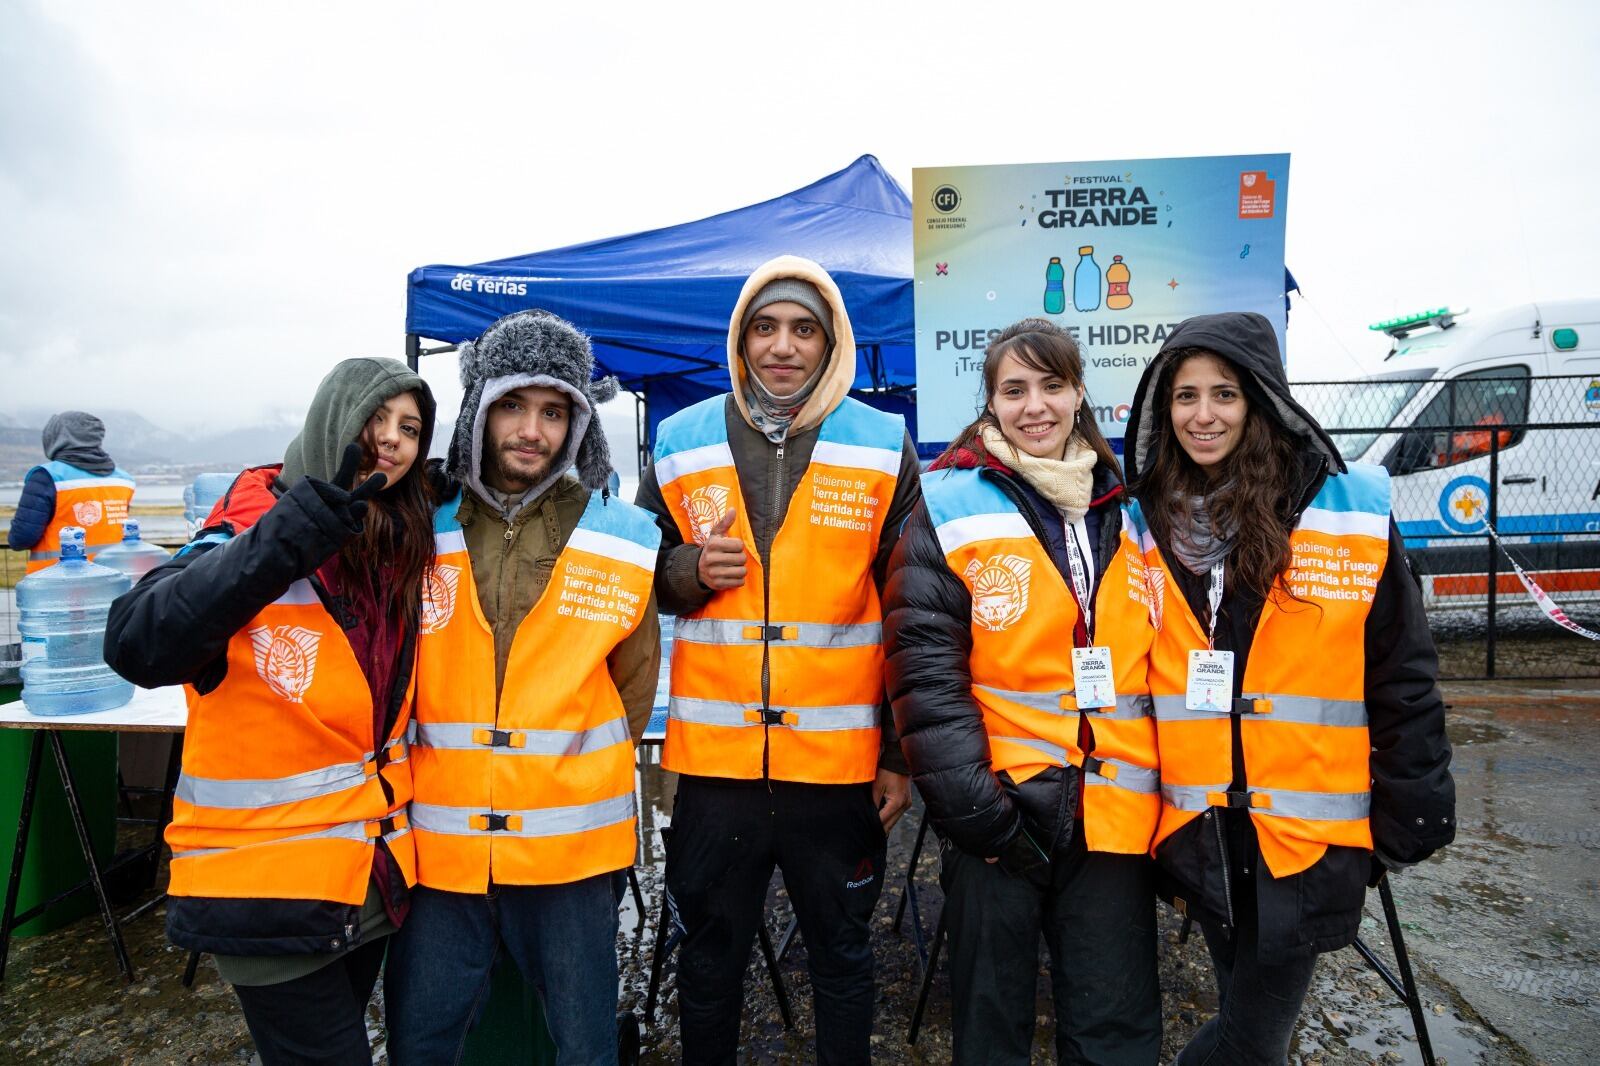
point(1091, 678)
point(1210, 681)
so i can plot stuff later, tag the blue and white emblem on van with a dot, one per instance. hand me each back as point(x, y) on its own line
point(1464, 504)
point(1591, 396)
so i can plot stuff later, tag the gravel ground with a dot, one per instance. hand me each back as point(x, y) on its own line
point(64, 1002)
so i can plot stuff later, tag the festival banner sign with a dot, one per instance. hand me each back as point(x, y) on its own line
point(1116, 252)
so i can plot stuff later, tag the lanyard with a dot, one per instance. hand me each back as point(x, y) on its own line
point(1214, 598)
point(1080, 576)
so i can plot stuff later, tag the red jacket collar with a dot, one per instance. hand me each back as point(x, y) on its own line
point(249, 497)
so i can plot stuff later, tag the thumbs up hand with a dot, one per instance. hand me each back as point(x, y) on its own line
point(721, 556)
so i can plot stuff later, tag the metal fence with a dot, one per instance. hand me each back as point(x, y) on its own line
point(1519, 452)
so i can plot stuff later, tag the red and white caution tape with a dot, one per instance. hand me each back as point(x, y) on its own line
point(1551, 609)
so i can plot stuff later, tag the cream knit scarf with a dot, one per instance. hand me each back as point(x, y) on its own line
point(1065, 482)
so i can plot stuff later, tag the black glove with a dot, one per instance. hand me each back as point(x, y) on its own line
point(1022, 857)
point(348, 506)
point(443, 486)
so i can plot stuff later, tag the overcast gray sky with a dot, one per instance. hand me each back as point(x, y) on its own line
point(204, 205)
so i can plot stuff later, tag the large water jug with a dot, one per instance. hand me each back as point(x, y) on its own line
point(201, 496)
point(131, 555)
point(63, 626)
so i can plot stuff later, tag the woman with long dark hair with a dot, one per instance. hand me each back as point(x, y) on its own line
point(1017, 624)
point(1303, 750)
point(291, 619)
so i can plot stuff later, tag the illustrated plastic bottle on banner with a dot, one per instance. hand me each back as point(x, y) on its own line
point(1055, 293)
point(1086, 281)
point(1117, 295)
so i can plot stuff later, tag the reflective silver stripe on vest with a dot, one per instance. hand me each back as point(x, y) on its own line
point(458, 736)
point(1278, 802)
point(808, 719)
point(545, 822)
point(40, 556)
point(1127, 706)
point(807, 634)
point(249, 794)
point(345, 831)
point(1301, 710)
point(1131, 777)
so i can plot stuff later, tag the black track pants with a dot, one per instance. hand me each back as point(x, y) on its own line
point(725, 840)
point(1098, 920)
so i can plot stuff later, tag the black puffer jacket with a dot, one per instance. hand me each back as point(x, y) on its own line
point(927, 633)
point(1413, 796)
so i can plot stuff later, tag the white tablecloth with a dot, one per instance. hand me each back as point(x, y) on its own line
point(150, 708)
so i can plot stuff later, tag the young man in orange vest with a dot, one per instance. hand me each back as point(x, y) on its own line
point(536, 671)
point(79, 485)
point(779, 505)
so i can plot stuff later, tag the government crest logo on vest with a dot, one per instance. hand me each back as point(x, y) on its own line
point(286, 659)
point(705, 506)
point(88, 513)
point(438, 598)
point(999, 590)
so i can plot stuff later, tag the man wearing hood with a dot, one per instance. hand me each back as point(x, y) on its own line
point(78, 486)
point(536, 672)
point(779, 506)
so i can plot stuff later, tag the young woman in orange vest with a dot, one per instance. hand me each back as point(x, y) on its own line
point(291, 620)
point(1017, 624)
point(1303, 749)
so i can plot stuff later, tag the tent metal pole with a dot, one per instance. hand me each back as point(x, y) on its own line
point(413, 351)
point(641, 428)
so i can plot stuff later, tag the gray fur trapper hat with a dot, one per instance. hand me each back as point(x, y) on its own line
point(533, 348)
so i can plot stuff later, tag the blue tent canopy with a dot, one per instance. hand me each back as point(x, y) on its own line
point(656, 304)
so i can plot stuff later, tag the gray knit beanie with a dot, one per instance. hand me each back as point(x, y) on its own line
point(791, 290)
point(533, 348)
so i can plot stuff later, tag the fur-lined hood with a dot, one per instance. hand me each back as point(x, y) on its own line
point(532, 348)
point(841, 370)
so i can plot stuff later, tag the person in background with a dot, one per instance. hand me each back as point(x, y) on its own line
point(292, 622)
point(537, 668)
point(778, 505)
point(79, 485)
point(1017, 629)
point(1302, 733)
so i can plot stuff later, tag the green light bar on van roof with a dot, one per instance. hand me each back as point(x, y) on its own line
point(1441, 317)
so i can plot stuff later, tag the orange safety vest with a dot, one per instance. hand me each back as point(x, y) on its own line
point(284, 791)
point(1302, 715)
point(97, 502)
point(782, 677)
point(1023, 617)
point(537, 787)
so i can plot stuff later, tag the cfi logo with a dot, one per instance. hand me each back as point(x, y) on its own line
point(438, 598)
point(705, 507)
point(88, 513)
point(999, 590)
point(286, 659)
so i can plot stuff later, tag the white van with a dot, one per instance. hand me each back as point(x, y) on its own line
point(1529, 364)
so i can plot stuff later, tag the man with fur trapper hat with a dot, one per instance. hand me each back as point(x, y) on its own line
point(779, 506)
point(537, 668)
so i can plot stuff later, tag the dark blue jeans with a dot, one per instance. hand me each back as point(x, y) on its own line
point(1258, 1004)
point(562, 937)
